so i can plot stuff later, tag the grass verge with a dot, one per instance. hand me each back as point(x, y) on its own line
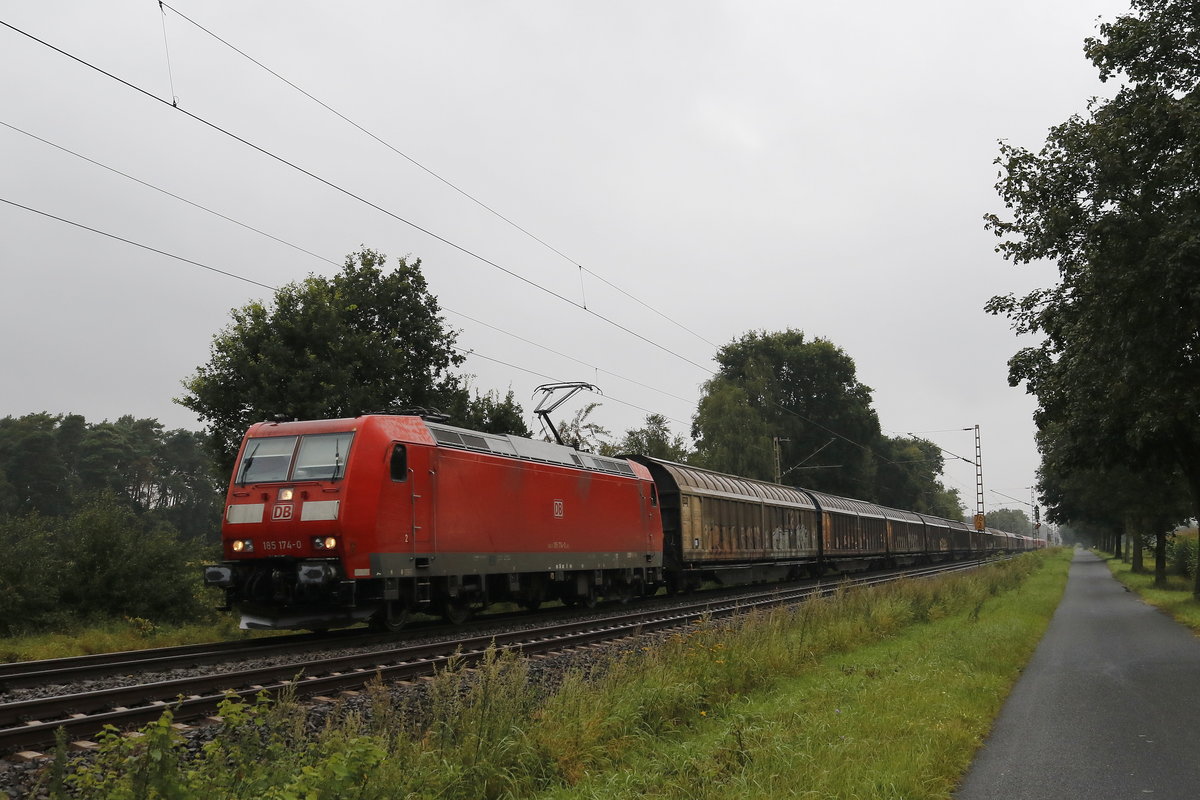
point(867, 694)
point(114, 636)
point(1175, 599)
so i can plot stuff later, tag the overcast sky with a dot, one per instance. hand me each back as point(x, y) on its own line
point(734, 166)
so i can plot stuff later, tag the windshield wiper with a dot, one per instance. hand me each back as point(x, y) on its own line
point(248, 460)
point(337, 457)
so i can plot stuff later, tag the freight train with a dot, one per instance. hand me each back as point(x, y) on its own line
point(332, 522)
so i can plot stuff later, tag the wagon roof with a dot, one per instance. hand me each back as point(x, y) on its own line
point(705, 482)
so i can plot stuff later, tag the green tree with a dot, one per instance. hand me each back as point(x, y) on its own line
point(1113, 502)
point(1013, 520)
point(803, 391)
point(1112, 198)
point(49, 464)
point(36, 476)
point(584, 434)
point(113, 562)
point(365, 340)
point(906, 476)
point(654, 439)
point(488, 412)
point(28, 580)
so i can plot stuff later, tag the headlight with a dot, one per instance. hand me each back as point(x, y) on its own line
point(285, 495)
point(242, 546)
point(324, 543)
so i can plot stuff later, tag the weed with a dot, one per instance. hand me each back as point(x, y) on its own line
point(879, 693)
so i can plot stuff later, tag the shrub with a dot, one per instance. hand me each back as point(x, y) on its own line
point(103, 562)
point(116, 563)
point(28, 587)
point(1181, 554)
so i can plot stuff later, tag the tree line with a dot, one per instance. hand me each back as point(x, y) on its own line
point(112, 518)
point(102, 520)
point(1111, 199)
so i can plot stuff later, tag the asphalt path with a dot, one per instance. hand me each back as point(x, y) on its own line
point(1109, 706)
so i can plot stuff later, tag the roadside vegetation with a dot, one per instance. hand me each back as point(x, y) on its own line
point(880, 693)
point(1175, 597)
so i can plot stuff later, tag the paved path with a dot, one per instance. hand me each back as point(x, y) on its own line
point(1109, 706)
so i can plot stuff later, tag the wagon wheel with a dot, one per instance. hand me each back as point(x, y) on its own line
point(390, 617)
point(456, 610)
point(632, 590)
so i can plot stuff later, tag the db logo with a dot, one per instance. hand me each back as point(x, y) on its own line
point(558, 509)
point(282, 512)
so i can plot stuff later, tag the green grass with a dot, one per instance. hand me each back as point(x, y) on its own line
point(884, 693)
point(886, 709)
point(116, 636)
point(1176, 599)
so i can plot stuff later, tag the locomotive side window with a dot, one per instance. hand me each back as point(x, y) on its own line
point(399, 462)
point(266, 460)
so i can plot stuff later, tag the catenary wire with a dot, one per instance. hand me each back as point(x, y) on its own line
point(477, 354)
point(149, 185)
point(361, 199)
point(569, 357)
point(228, 274)
point(273, 238)
point(437, 176)
point(415, 226)
point(233, 275)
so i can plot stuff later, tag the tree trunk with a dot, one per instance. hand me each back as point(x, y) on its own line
point(1137, 543)
point(1160, 560)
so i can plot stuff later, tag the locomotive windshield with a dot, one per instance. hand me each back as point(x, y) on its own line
point(316, 457)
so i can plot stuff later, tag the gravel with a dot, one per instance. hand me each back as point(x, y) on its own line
point(18, 780)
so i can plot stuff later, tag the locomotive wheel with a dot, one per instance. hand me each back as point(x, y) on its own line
point(390, 618)
point(456, 610)
point(534, 596)
point(631, 591)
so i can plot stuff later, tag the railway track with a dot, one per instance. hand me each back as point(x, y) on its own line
point(29, 724)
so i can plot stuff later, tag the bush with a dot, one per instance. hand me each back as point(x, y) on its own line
point(28, 587)
point(116, 563)
point(1181, 554)
point(105, 561)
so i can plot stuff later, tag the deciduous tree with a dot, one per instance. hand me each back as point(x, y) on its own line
point(1113, 199)
point(1013, 520)
point(368, 339)
point(803, 391)
point(654, 439)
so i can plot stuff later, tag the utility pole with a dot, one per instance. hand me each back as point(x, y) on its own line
point(778, 467)
point(980, 522)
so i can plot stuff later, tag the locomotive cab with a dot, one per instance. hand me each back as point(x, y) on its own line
point(283, 531)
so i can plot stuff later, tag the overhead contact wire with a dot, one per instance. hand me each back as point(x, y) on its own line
point(386, 212)
point(139, 244)
point(435, 175)
point(359, 198)
point(171, 194)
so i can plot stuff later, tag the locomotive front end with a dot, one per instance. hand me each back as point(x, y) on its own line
point(283, 537)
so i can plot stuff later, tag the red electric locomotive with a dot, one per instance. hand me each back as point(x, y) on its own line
point(332, 522)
